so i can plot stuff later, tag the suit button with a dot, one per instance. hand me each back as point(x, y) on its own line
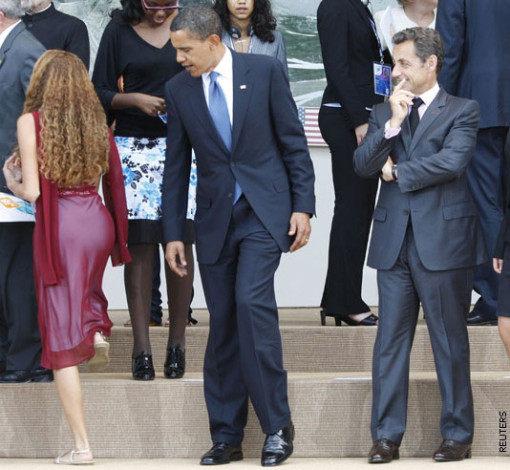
point(406, 212)
point(232, 165)
point(230, 195)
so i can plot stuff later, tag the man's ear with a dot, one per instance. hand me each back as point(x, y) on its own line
point(432, 62)
point(214, 40)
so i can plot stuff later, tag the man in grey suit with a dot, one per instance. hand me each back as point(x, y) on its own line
point(426, 241)
point(20, 343)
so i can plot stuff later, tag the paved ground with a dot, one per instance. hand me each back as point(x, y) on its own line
point(480, 463)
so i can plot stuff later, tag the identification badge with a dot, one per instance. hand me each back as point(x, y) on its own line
point(382, 79)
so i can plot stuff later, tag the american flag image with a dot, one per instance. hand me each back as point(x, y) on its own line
point(309, 117)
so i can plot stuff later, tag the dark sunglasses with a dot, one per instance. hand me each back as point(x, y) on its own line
point(172, 5)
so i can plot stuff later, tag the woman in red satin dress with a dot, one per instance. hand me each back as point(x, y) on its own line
point(65, 147)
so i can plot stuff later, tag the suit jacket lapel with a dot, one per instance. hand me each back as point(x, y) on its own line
point(432, 112)
point(199, 106)
point(242, 92)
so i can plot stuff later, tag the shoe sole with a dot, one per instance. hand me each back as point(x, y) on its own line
point(101, 358)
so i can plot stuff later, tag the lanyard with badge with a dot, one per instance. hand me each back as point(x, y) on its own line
point(382, 72)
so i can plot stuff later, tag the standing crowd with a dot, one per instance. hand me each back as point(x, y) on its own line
point(189, 127)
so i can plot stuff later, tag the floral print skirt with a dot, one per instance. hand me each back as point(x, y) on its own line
point(143, 161)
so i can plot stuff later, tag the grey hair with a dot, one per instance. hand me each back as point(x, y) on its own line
point(201, 21)
point(426, 41)
point(12, 9)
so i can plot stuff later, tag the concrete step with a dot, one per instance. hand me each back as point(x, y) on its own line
point(168, 419)
point(316, 348)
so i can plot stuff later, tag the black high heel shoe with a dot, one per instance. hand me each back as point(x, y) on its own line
point(142, 367)
point(324, 314)
point(175, 363)
point(371, 320)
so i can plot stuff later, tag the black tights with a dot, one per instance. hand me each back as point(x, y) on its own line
point(138, 284)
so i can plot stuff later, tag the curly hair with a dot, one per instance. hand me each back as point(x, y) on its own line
point(131, 12)
point(262, 19)
point(74, 135)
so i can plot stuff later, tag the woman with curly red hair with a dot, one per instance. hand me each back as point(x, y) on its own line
point(65, 148)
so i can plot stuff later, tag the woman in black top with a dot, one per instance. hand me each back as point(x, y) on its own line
point(134, 61)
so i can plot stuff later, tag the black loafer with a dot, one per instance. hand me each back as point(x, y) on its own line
point(25, 376)
point(371, 320)
point(278, 447)
point(175, 363)
point(221, 453)
point(142, 367)
point(383, 451)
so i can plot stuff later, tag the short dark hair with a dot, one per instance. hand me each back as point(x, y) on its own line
point(426, 41)
point(201, 21)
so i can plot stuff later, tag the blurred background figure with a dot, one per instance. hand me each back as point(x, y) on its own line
point(477, 66)
point(349, 46)
point(251, 27)
point(135, 49)
point(408, 14)
point(65, 148)
point(57, 30)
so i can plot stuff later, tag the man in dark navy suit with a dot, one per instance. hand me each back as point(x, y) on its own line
point(255, 198)
point(477, 66)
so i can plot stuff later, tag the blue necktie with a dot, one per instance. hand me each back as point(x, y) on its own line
point(219, 114)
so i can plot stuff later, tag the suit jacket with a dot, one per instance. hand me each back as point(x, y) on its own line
point(432, 188)
point(18, 54)
point(349, 49)
point(269, 156)
point(477, 62)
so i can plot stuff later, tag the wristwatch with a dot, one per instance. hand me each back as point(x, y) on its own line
point(394, 173)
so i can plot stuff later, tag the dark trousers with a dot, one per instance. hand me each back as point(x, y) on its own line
point(445, 296)
point(350, 228)
point(244, 352)
point(487, 182)
point(20, 339)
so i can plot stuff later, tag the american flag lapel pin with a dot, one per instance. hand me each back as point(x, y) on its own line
point(243, 87)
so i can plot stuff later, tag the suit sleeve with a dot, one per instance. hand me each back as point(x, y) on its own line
point(176, 174)
point(451, 25)
point(292, 142)
point(79, 43)
point(333, 28)
point(448, 163)
point(372, 154)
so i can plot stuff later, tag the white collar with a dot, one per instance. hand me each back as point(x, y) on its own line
point(5, 32)
point(429, 95)
point(224, 67)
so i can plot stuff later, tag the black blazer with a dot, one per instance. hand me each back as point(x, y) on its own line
point(349, 49)
point(269, 156)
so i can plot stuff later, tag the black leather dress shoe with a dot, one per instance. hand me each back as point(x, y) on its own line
point(221, 453)
point(142, 367)
point(24, 376)
point(278, 447)
point(451, 450)
point(2, 366)
point(383, 451)
point(475, 319)
point(175, 363)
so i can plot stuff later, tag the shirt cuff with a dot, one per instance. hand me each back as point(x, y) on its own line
point(389, 132)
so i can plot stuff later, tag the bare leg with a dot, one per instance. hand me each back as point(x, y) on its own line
point(504, 332)
point(179, 297)
point(138, 283)
point(69, 390)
